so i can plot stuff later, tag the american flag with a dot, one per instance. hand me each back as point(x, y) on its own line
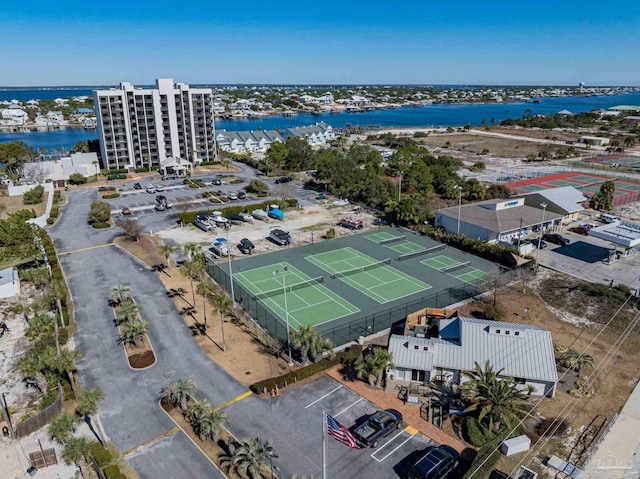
point(341, 433)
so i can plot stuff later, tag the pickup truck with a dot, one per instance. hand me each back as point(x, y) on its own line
point(379, 425)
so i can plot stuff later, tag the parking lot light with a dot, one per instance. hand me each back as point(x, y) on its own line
point(544, 208)
point(286, 309)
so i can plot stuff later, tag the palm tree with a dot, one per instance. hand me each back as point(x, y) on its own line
point(179, 392)
point(75, 451)
point(309, 343)
point(577, 361)
point(192, 270)
point(205, 289)
point(497, 399)
point(120, 293)
point(211, 422)
point(365, 368)
point(128, 311)
point(250, 457)
point(167, 250)
point(382, 360)
point(61, 426)
point(66, 363)
point(88, 405)
point(134, 332)
point(223, 304)
point(191, 249)
point(56, 291)
point(3, 208)
point(195, 412)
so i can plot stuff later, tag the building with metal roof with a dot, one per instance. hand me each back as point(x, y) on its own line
point(496, 220)
point(521, 351)
point(566, 200)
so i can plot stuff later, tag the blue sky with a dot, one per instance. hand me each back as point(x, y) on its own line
point(494, 42)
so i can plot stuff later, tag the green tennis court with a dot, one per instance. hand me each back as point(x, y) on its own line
point(531, 188)
point(406, 247)
point(380, 236)
point(371, 277)
point(588, 179)
point(306, 301)
point(472, 276)
point(623, 185)
point(560, 183)
point(440, 261)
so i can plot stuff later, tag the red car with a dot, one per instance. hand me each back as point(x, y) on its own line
point(581, 230)
point(126, 212)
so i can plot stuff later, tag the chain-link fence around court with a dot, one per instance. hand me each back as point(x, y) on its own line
point(345, 330)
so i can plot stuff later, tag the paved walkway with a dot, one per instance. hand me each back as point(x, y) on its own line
point(410, 413)
point(618, 455)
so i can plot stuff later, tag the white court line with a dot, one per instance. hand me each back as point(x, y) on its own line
point(402, 444)
point(320, 399)
point(348, 407)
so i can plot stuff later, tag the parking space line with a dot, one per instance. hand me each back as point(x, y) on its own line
point(393, 450)
point(348, 407)
point(320, 399)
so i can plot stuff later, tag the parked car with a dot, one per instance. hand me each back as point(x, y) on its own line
point(137, 186)
point(581, 230)
point(242, 195)
point(283, 179)
point(161, 199)
point(351, 223)
point(589, 226)
point(151, 189)
point(169, 177)
point(216, 182)
point(125, 212)
point(246, 246)
point(380, 222)
point(437, 463)
point(160, 207)
point(232, 196)
point(378, 426)
point(555, 238)
point(159, 188)
point(534, 242)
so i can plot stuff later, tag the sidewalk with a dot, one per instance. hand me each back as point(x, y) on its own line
point(410, 414)
point(618, 455)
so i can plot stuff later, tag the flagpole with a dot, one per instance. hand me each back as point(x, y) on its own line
point(324, 444)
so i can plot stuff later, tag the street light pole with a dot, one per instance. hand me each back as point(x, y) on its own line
point(233, 298)
point(544, 208)
point(286, 308)
point(459, 188)
point(400, 188)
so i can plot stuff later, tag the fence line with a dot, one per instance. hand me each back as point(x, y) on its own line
point(25, 428)
point(364, 325)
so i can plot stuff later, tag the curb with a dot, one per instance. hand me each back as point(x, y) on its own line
point(133, 256)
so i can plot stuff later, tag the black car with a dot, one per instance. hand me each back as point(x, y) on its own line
point(242, 195)
point(246, 246)
point(137, 186)
point(555, 238)
point(284, 179)
point(437, 463)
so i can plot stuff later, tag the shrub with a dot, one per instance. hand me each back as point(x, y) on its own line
point(420, 134)
point(100, 211)
point(110, 196)
point(142, 169)
point(107, 188)
point(100, 454)
point(77, 179)
point(493, 312)
point(343, 357)
point(257, 187)
point(112, 472)
point(34, 196)
point(117, 172)
point(210, 163)
point(55, 211)
point(51, 220)
point(101, 225)
point(475, 433)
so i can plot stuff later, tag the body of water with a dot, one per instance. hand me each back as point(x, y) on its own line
point(429, 116)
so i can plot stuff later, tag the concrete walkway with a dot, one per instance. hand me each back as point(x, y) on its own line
point(618, 455)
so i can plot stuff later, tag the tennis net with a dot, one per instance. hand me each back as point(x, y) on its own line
point(392, 240)
point(414, 254)
point(377, 264)
point(454, 267)
point(289, 288)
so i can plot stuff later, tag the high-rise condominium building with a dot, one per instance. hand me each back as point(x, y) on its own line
point(140, 128)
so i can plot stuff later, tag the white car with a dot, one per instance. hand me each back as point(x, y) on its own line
point(159, 188)
point(151, 189)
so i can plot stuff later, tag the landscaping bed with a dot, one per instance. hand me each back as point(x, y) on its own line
point(137, 347)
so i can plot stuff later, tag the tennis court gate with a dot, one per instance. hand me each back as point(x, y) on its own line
point(364, 325)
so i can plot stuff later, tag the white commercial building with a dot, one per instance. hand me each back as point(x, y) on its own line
point(143, 127)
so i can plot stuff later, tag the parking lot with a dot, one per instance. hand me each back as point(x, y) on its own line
point(294, 422)
point(585, 258)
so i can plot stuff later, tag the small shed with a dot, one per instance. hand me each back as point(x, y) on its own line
point(515, 445)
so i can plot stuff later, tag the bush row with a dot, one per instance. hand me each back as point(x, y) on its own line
point(344, 357)
point(490, 453)
point(117, 172)
point(53, 215)
point(107, 188)
point(103, 458)
point(110, 196)
point(56, 273)
point(190, 216)
point(117, 176)
point(490, 251)
point(210, 163)
point(100, 225)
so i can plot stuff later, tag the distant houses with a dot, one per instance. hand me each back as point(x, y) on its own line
point(259, 141)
